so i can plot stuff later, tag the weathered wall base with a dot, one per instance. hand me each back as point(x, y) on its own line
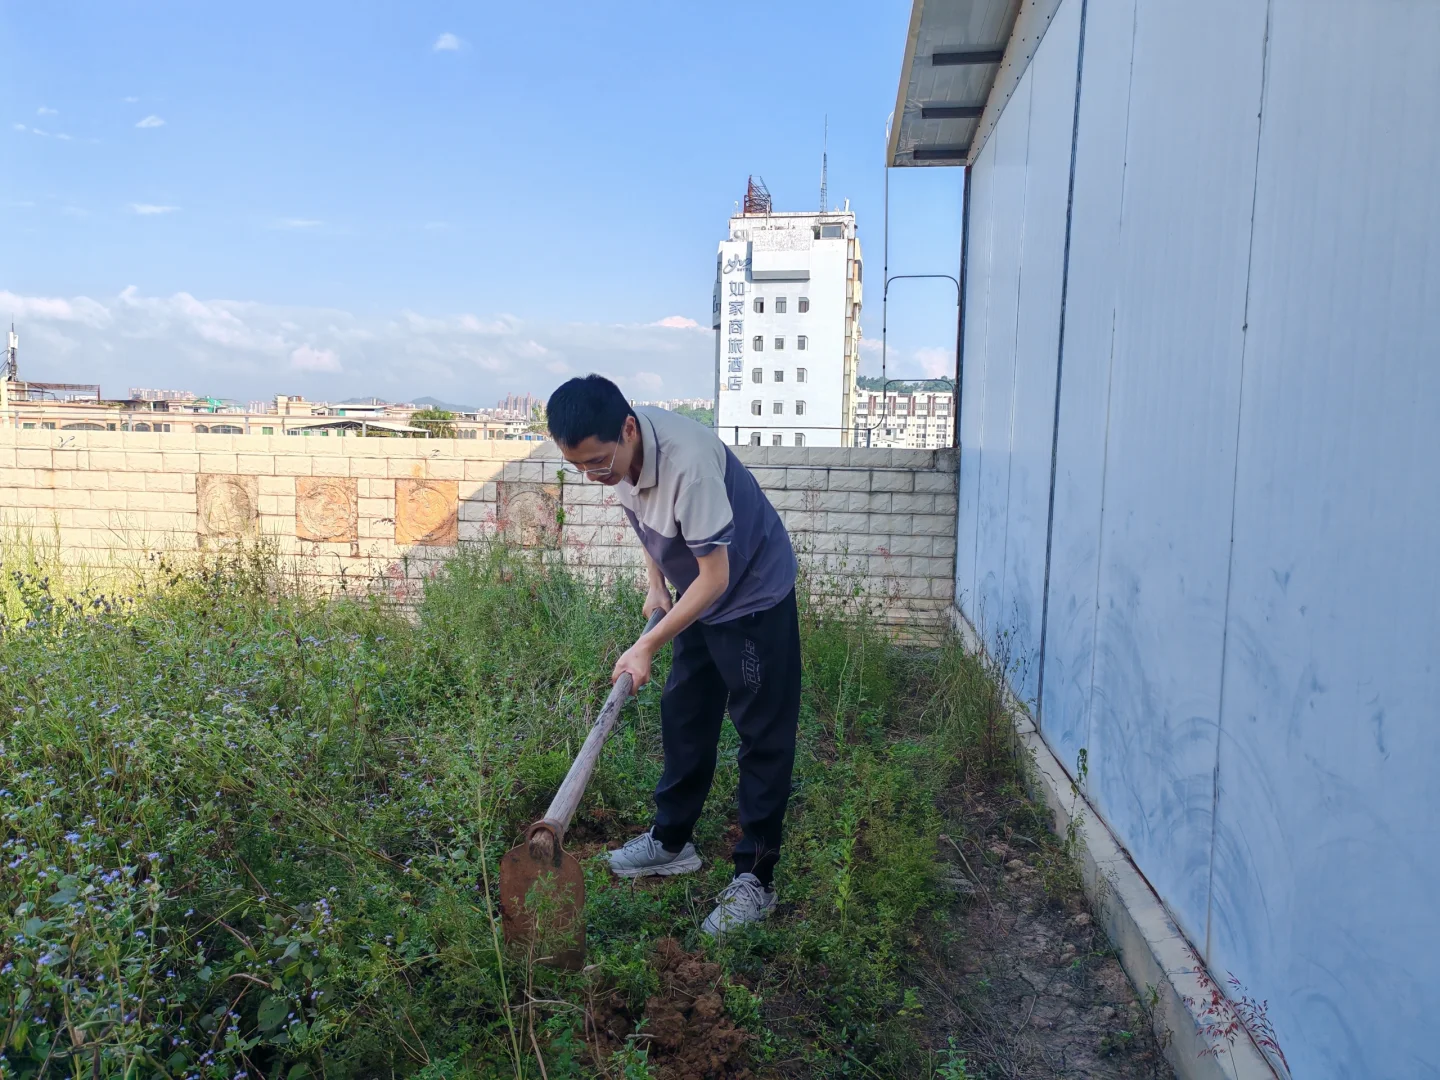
point(1160, 961)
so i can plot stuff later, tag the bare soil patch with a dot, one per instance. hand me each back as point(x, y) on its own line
point(689, 1035)
point(1021, 979)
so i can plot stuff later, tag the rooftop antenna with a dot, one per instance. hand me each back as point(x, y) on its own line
point(824, 165)
point(757, 196)
point(10, 369)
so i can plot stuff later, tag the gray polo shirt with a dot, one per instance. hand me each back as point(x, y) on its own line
point(694, 496)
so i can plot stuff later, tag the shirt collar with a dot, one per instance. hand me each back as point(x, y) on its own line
point(650, 454)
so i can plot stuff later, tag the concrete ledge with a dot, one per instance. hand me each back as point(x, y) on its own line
point(1159, 960)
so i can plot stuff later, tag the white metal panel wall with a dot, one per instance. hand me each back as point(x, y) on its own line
point(980, 244)
point(1037, 334)
point(1243, 586)
point(997, 405)
point(1326, 877)
point(1084, 400)
point(1184, 245)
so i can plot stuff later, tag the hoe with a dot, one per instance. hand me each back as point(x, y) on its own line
point(542, 888)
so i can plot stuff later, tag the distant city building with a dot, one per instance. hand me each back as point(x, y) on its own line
point(80, 407)
point(786, 314)
point(679, 403)
point(522, 405)
point(138, 394)
point(909, 421)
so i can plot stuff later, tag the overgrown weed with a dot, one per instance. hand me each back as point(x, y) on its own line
point(251, 831)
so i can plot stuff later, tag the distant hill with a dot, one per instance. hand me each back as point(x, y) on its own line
point(907, 386)
point(436, 403)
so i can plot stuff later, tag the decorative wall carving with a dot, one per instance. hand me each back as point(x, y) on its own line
point(326, 509)
point(528, 513)
point(427, 512)
point(227, 506)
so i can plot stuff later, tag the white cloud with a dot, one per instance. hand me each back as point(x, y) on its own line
point(55, 309)
point(63, 137)
point(447, 42)
point(148, 209)
point(678, 322)
point(19, 127)
point(43, 111)
point(37, 131)
point(130, 100)
point(246, 350)
point(297, 223)
point(151, 121)
point(309, 358)
point(936, 362)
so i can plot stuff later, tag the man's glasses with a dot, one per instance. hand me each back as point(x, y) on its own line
point(600, 473)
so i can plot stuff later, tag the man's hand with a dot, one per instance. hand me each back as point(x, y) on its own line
point(657, 599)
point(636, 660)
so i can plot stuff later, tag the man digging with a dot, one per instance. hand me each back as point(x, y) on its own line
point(708, 529)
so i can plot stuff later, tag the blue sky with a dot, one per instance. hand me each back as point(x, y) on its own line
point(459, 200)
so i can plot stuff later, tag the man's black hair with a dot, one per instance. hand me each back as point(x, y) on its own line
point(587, 406)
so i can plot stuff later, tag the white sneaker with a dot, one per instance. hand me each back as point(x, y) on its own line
point(644, 856)
point(744, 900)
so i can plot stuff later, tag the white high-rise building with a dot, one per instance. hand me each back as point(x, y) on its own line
point(787, 327)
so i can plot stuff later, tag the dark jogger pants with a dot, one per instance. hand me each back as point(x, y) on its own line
point(753, 663)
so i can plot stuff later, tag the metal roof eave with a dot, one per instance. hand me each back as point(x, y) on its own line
point(952, 22)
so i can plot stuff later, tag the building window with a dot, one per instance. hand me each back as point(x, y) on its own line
point(757, 375)
point(800, 371)
point(759, 305)
point(780, 305)
point(802, 343)
point(27, 425)
point(754, 438)
point(267, 431)
point(799, 439)
point(804, 304)
point(47, 425)
point(859, 271)
point(799, 408)
point(779, 376)
point(776, 439)
point(779, 343)
point(832, 232)
point(755, 408)
point(778, 408)
point(758, 344)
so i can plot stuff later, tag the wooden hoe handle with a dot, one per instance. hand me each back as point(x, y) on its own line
point(547, 833)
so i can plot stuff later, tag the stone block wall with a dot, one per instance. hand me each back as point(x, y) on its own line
point(361, 513)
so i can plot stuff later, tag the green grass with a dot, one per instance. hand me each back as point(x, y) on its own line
point(244, 832)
